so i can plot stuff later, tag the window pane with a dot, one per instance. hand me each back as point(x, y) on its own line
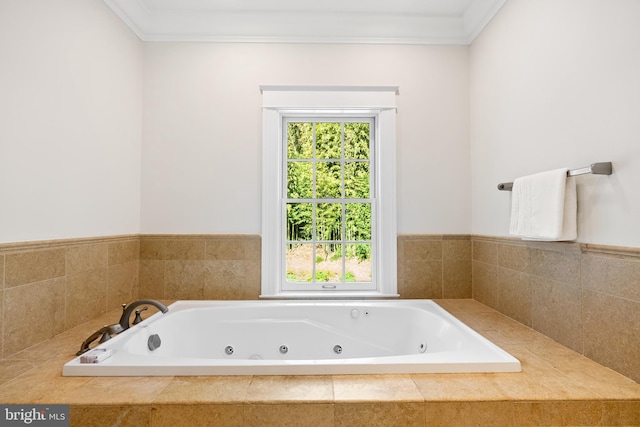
point(358, 262)
point(329, 263)
point(299, 263)
point(328, 180)
point(356, 180)
point(358, 221)
point(299, 221)
point(299, 178)
point(299, 141)
point(356, 140)
point(328, 140)
point(329, 221)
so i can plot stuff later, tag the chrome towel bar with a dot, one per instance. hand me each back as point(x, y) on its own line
point(601, 168)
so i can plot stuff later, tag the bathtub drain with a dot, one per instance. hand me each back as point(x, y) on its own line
point(228, 350)
point(337, 349)
point(283, 349)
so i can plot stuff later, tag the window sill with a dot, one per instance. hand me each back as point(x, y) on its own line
point(328, 295)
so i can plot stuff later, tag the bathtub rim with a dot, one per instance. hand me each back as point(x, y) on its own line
point(381, 365)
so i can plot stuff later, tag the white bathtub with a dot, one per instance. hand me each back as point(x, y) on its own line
point(298, 337)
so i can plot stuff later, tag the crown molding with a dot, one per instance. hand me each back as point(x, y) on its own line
point(251, 26)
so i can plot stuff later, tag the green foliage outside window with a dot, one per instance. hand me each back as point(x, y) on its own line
point(329, 161)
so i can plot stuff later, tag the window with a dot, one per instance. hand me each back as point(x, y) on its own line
point(329, 205)
point(328, 192)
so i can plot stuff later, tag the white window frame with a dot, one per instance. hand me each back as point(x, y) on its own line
point(377, 102)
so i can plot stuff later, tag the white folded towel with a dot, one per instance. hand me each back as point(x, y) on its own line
point(544, 207)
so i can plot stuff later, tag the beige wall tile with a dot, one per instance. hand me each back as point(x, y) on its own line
point(151, 279)
point(34, 266)
point(85, 296)
point(484, 251)
point(122, 416)
point(1, 271)
point(514, 257)
point(565, 413)
point(621, 413)
point(419, 248)
point(123, 284)
point(185, 249)
point(557, 312)
point(124, 252)
point(612, 332)
point(33, 313)
point(152, 248)
point(380, 414)
point(613, 276)
point(485, 283)
point(456, 267)
point(197, 415)
point(514, 295)
point(233, 248)
point(456, 248)
point(87, 257)
point(184, 279)
point(469, 414)
point(456, 278)
point(561, 266)
point(232, 280)
point(289, 415)
point(420, 279)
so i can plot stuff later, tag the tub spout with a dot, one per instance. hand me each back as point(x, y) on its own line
point(128, 309)
point(103, 333)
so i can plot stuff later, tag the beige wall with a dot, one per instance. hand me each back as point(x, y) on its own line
point(70, 121)
point(554, 83)
point(202, 112)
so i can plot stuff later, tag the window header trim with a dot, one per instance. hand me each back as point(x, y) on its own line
point(329, 97)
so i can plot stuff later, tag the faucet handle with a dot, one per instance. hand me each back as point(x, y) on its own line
point(138, 317)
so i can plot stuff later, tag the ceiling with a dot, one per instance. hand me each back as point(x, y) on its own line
point(450, 22)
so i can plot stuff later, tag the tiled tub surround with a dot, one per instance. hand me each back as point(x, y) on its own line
point(60, 284)
point(434, 266)
point(48, 287)
point(228, 266)
point(586, 297)
point(182, 267)
point(557, 387)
